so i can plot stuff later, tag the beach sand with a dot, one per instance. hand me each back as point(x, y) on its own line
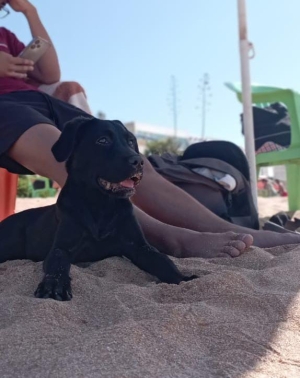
point(267, 206)
point(241, 318)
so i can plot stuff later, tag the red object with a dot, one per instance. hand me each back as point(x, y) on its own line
point(8, 193)
point(10, 44)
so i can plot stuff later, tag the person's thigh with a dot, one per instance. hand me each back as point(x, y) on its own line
point(19, 146)
point(62, 112)
point(33, 151)
point(15, 120)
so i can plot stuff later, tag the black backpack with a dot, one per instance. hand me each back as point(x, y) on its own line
point(271, 124)
point(234, 206)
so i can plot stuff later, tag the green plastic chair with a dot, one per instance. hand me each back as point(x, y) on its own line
point(40, 186)
point(290, 157)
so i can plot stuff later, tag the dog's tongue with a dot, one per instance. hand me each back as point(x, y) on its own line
point(127, 183)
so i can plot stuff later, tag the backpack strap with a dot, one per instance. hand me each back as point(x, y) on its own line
point(217, 165)
point(172, 169)
point(221, 150)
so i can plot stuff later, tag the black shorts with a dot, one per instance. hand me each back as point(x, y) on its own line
point(21, 110)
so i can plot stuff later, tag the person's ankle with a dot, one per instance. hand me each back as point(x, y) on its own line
point(171, 242)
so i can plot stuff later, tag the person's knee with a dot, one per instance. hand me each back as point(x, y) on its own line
point(68, 88)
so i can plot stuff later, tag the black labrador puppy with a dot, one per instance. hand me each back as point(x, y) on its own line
point(93, 218)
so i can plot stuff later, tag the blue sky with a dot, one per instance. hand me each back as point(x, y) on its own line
point(124, 53)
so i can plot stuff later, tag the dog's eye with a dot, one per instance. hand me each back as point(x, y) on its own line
point(102, 140)
point(131, 143)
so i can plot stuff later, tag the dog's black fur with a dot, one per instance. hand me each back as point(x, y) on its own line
point(93, 218)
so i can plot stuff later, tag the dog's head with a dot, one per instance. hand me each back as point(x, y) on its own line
point(102, 154)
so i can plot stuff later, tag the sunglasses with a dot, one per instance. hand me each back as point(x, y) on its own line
point(3, 11)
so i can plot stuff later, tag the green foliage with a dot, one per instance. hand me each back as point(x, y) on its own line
point(24, 189)
point(159, 147)
point(45, 193)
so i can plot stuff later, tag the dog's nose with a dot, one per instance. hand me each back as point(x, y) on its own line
point(136, 160)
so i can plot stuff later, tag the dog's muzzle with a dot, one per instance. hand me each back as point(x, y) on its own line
point(125, 188)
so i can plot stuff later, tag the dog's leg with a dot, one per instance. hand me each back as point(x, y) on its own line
point(56, 283)
point(149, 258)
point(159, 265)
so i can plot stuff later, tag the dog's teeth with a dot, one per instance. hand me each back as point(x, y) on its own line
point(107, 186)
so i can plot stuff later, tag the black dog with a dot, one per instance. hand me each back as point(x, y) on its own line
point(93, 218)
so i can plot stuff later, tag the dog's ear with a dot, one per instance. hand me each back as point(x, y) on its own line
point(63, 148)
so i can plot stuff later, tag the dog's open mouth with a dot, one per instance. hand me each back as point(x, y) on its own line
point(125, 187)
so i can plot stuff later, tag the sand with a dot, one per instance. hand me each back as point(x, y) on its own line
point(241, 318)
point(267, 206)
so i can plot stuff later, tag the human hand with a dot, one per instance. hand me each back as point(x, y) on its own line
point(22, 6)
point(14, 66)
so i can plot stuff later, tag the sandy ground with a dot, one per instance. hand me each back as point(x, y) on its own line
point(267, 206)
point(239, 319)
point(28, 203)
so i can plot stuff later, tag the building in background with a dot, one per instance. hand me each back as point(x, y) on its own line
point(146, 133)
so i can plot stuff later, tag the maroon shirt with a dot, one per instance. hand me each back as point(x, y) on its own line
point(10, 44)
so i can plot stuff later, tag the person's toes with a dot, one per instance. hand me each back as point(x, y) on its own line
point(237, 246)
point(234, 248)
point(246, 238)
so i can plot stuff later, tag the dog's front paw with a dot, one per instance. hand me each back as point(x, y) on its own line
point(55, 288)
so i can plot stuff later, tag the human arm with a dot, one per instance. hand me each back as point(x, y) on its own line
point(16, 67)
point(46, 70)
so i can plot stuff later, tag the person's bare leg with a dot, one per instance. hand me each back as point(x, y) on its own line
point(33, 151)
point(181, 242)
point(164, 201)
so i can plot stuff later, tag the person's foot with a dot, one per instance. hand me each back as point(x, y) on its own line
point(186, 243)
point(267, 239)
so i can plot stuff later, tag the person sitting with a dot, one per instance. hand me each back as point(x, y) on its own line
point(31, 122)
point(281, 189)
